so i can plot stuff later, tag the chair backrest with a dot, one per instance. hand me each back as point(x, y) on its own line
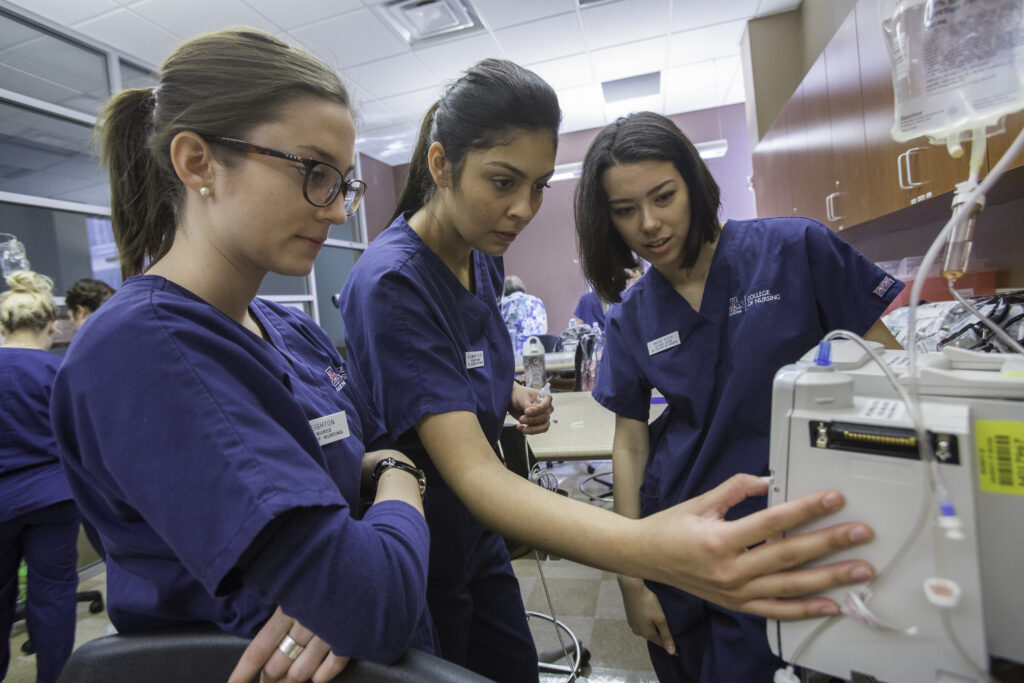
point(205, 655)
point(551, 342)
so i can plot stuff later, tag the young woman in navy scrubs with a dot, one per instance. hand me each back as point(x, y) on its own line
point(213, 438)
point(38, 518)
point(425, 335)
point(723, 307)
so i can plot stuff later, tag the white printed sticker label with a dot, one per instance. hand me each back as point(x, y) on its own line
point(474, 359)
point(663, 343)
point(881, 409)
point(330, 428)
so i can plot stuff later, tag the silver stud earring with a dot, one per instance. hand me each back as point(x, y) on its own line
point(204, 191)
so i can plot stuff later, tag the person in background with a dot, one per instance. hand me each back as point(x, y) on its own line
point(523, 313)
point(592, 309)
point(38, 518)
point(424, 333)
point(727, 305)
point(213, 438)
point(84, 297)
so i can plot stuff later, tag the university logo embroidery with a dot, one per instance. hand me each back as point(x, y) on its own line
point(883, 286)
point(735, 308)
point(337, 377)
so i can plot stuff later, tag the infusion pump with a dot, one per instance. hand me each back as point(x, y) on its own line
point(949, 585)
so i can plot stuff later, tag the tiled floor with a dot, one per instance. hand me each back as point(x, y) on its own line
point(585, 599)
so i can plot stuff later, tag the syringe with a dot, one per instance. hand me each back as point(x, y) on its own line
point(542, 394)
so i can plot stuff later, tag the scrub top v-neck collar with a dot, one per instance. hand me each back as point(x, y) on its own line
point(712, 302)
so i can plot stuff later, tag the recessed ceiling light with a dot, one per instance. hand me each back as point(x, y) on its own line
point(632, 87)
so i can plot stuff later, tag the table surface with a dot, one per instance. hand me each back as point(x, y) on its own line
point(581, 429)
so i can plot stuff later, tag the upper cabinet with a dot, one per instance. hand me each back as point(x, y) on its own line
point(837, 153)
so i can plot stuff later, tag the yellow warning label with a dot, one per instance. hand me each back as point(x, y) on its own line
point(1001, 456)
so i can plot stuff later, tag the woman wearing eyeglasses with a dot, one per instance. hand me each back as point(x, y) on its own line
point(212, 437)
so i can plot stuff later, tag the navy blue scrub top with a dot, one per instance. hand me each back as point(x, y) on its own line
point(422, 343)
point(185, 436)
point(590, 310)
point(31, 477)
point(776, 286)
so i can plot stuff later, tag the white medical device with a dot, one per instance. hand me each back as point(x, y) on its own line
point(949, 541)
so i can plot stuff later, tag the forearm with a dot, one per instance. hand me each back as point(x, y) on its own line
point(359, 585)
point(518, 508)
point(629, 459)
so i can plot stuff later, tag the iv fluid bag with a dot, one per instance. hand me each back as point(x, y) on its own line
point(957, 65)
point(12, 255)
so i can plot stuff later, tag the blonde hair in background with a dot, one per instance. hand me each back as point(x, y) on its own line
point(28, 304)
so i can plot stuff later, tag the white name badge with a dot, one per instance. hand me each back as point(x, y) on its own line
point(663, 343)
point(474, 359)
point(330, 428)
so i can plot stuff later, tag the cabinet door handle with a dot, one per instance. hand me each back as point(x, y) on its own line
point(830, 207)
point(899, 171)
point(907, 182)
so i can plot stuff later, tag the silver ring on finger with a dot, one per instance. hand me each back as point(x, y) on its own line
point(289, 648)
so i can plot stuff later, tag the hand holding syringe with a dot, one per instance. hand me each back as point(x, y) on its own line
point(536, 416)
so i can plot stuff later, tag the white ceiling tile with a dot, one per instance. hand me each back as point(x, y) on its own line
point(542, 40)
point(296, 13)
point(692, 87)
point(502, 13)
point(721, 40)
point(566, 72)
point(391, 76)
point(189, 18)
point(689, 14)
point(375, 114)
point(392, 145)
point(132, 34)
point(613, 110)
point(448, 60)
point(632, 59)
point(624, 22)
point(582, 108)
point(355, 38)
point(766, 7)
point(414, 105)
point(68, 12)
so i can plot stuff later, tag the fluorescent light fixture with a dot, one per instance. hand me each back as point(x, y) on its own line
point(632, 87)
point(712, 149)
point(707, 150)
point(567, 172)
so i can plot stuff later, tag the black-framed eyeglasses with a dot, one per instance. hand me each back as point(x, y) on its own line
point(321, 182)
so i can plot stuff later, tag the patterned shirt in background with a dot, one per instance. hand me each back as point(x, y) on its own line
point(524, 315)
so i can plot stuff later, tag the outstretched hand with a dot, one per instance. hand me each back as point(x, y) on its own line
point(693, 548)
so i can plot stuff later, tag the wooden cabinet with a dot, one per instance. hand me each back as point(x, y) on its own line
point(835, 139)
point(998, 144)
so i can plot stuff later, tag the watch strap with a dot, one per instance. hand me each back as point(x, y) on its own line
point(389, 463)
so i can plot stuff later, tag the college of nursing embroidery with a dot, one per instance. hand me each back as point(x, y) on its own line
point(474, 359)
point(330, 428)
point(663, 343)
point(337, 377)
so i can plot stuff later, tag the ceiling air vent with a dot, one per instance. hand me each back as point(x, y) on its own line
point(418, 21)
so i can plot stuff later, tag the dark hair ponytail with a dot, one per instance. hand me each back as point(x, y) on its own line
point(223, 83)
point(419, 180)
point(142, 199)
point(490, 102)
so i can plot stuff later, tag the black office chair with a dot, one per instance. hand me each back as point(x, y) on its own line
point(517, 456)
point(206, 655)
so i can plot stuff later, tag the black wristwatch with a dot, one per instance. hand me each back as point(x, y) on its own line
point(389, 463)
